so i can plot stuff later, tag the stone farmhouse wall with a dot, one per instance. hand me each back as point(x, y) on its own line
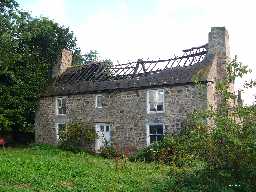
point(126, 111)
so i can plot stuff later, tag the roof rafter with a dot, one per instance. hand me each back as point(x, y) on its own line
point(101, 71)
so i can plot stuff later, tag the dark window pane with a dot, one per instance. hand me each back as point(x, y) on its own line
point(160, 107)
point(160, 129)
point(153, 138)
point(107, 128)
point(61, 126)
point(152, 129)
point(102, 128)
point(159, 137)
point(156, 129)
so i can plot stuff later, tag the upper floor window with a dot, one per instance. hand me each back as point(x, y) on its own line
point(98, 101)
point(155, 100)
point(61, 105)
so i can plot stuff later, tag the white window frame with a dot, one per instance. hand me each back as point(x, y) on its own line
point(96, 101)
point(57, 107)
point(148, 106)
point(148, 132)
point(57, 130)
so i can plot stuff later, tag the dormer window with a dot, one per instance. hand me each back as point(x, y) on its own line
point(98, 101)
point(61, 107)
point(155, 101)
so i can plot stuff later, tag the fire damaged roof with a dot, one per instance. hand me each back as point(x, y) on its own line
point(103, 77)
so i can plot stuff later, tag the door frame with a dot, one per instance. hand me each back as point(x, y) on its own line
point(98, 143)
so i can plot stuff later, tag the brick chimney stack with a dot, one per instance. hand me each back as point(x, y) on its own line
point(63, 63)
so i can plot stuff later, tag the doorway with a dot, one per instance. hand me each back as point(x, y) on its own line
point(103, 135)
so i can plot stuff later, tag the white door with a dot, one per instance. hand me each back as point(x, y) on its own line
point(103, 135)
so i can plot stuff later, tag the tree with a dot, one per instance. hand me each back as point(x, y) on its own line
point(29, 48)
point(90, 57)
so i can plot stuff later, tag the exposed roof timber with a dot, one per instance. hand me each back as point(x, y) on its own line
point(102, 71)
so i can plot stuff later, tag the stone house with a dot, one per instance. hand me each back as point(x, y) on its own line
point(132, 104)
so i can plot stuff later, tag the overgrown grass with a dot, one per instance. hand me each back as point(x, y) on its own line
point(43, 168)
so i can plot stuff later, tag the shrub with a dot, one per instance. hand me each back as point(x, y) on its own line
point(108, 152)
point(220, 156)
point(161, 151)
point(77, 137)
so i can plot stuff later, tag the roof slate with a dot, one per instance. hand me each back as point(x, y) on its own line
point(168, 77)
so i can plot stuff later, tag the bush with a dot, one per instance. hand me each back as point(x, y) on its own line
point(220, 156)
point(78, 136)
point(108, 152)
point(161, 151)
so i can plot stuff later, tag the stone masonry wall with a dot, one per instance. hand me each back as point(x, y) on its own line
point(126, 111)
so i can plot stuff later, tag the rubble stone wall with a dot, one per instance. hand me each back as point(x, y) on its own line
point(126, 111)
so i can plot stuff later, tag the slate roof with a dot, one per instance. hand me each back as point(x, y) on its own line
point(95, 78)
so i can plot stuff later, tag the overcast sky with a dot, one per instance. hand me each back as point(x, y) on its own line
point(130, 29)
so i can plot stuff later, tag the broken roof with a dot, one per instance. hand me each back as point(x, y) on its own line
point(102, 77)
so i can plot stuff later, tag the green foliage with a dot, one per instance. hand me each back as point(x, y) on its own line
point(91, 56)
point(29, 48)
point(158, 151)
point(221, 157)
point(44, 168)
point(108, 152)
point(216, 151)
point(77, 136)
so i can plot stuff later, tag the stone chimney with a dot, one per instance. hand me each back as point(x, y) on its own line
point(218, 45)
point(64, 62)
point(218, 42)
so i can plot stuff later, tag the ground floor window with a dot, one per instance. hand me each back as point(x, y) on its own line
point(155, 132)
point(59, 128)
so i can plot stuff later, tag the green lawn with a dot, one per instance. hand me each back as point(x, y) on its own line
point(49, 169)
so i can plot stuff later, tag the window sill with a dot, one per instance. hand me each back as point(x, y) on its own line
point(61, 114)
point(155, 112)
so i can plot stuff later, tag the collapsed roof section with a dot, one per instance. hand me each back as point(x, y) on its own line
point(141, 74)
point(105, 71)
point(103, 77)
